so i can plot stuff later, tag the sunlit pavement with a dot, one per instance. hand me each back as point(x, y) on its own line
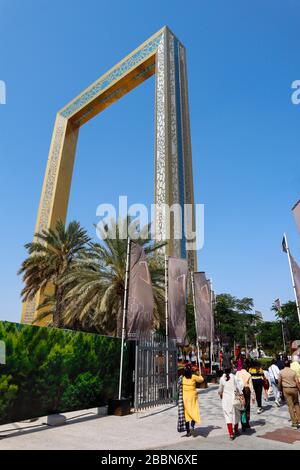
point(212, 433)
point(152, 429)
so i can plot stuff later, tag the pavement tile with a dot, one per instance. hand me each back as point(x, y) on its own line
point(155, 428)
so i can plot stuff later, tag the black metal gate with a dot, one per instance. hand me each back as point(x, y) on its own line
point(155, 383)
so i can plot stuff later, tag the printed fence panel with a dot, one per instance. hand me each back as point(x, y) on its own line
point(50, 370)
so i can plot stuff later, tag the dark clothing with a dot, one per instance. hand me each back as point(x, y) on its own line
point(226, 364)
point(258, 386)
point(280, 364)
point(187, 425)
point(247, 396)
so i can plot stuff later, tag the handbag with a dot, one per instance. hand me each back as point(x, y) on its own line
point(244, 417)
point(266, 384)
point(239, 401)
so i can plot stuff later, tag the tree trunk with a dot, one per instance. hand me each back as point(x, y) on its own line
point(57, 316)
point(120, 319)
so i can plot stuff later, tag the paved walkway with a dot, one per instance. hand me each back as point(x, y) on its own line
point(151, 429)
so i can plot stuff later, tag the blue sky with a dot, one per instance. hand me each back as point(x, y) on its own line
point(242, 58)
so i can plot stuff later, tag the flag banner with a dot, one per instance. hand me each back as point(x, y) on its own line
point(203, 310)
point(284, 247)
point(140, 294)
point(296, 212)
point(213, 296)
point(177, 280)
point(296, 273)
point(277, 304)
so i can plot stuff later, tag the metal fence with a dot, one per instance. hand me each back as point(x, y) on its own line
point(153, 386)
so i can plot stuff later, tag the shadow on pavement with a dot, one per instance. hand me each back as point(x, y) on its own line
point(156, 412)
point(259, 422)
point(267, 407)
point(248, 432)
point(22, 431)
point(205, 431)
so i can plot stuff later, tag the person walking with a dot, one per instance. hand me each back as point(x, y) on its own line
point(229, 387)
point(290, 385)
point(245, 377)
point(266, 383)
point(280, 362)
point(227, 359)
point(295, 366)
point(188, 407)
point(257, 375)
point(248, 361)
point(239, 362)
point(274, 376)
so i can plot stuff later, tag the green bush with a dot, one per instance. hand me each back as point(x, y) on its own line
point(49, 370)
point(265, 362)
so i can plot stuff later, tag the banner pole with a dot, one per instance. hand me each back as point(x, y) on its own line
point(124, 316)
point(246, 345)
point(211, 326)
point(292, 275)
point(193, 293)
point(167, 322)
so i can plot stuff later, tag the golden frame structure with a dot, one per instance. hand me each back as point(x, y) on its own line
point(164, 55)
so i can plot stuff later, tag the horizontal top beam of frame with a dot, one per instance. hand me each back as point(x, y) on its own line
point(119, 80)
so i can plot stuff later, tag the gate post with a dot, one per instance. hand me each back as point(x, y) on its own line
point(136, 376)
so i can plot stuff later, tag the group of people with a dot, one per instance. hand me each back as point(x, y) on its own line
point(238, 388)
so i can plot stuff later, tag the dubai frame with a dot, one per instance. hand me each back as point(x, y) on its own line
point(163, 55)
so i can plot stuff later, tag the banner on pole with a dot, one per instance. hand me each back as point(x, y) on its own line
point(213, 303)
point(296, 213)
point(203, 307)
point(283, 244)
point(177, 280)
point(277, 304)
point(140, 294)
point(296, 273)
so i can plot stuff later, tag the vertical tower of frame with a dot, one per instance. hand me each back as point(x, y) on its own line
point(173, 157)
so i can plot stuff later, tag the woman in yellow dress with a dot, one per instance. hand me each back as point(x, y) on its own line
point(190, 399)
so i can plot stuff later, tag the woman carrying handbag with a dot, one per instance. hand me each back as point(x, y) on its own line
point(230, 391)
point(248, 391)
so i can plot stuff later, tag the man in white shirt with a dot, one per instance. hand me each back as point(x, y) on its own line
point(295, 366)
point(274, 376)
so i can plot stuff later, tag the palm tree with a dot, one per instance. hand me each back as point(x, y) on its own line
point(50, 256)
point(95, 284)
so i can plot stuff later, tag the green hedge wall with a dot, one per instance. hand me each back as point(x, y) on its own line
point(50, 370)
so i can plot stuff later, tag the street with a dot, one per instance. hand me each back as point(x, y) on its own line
point(154, 428)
